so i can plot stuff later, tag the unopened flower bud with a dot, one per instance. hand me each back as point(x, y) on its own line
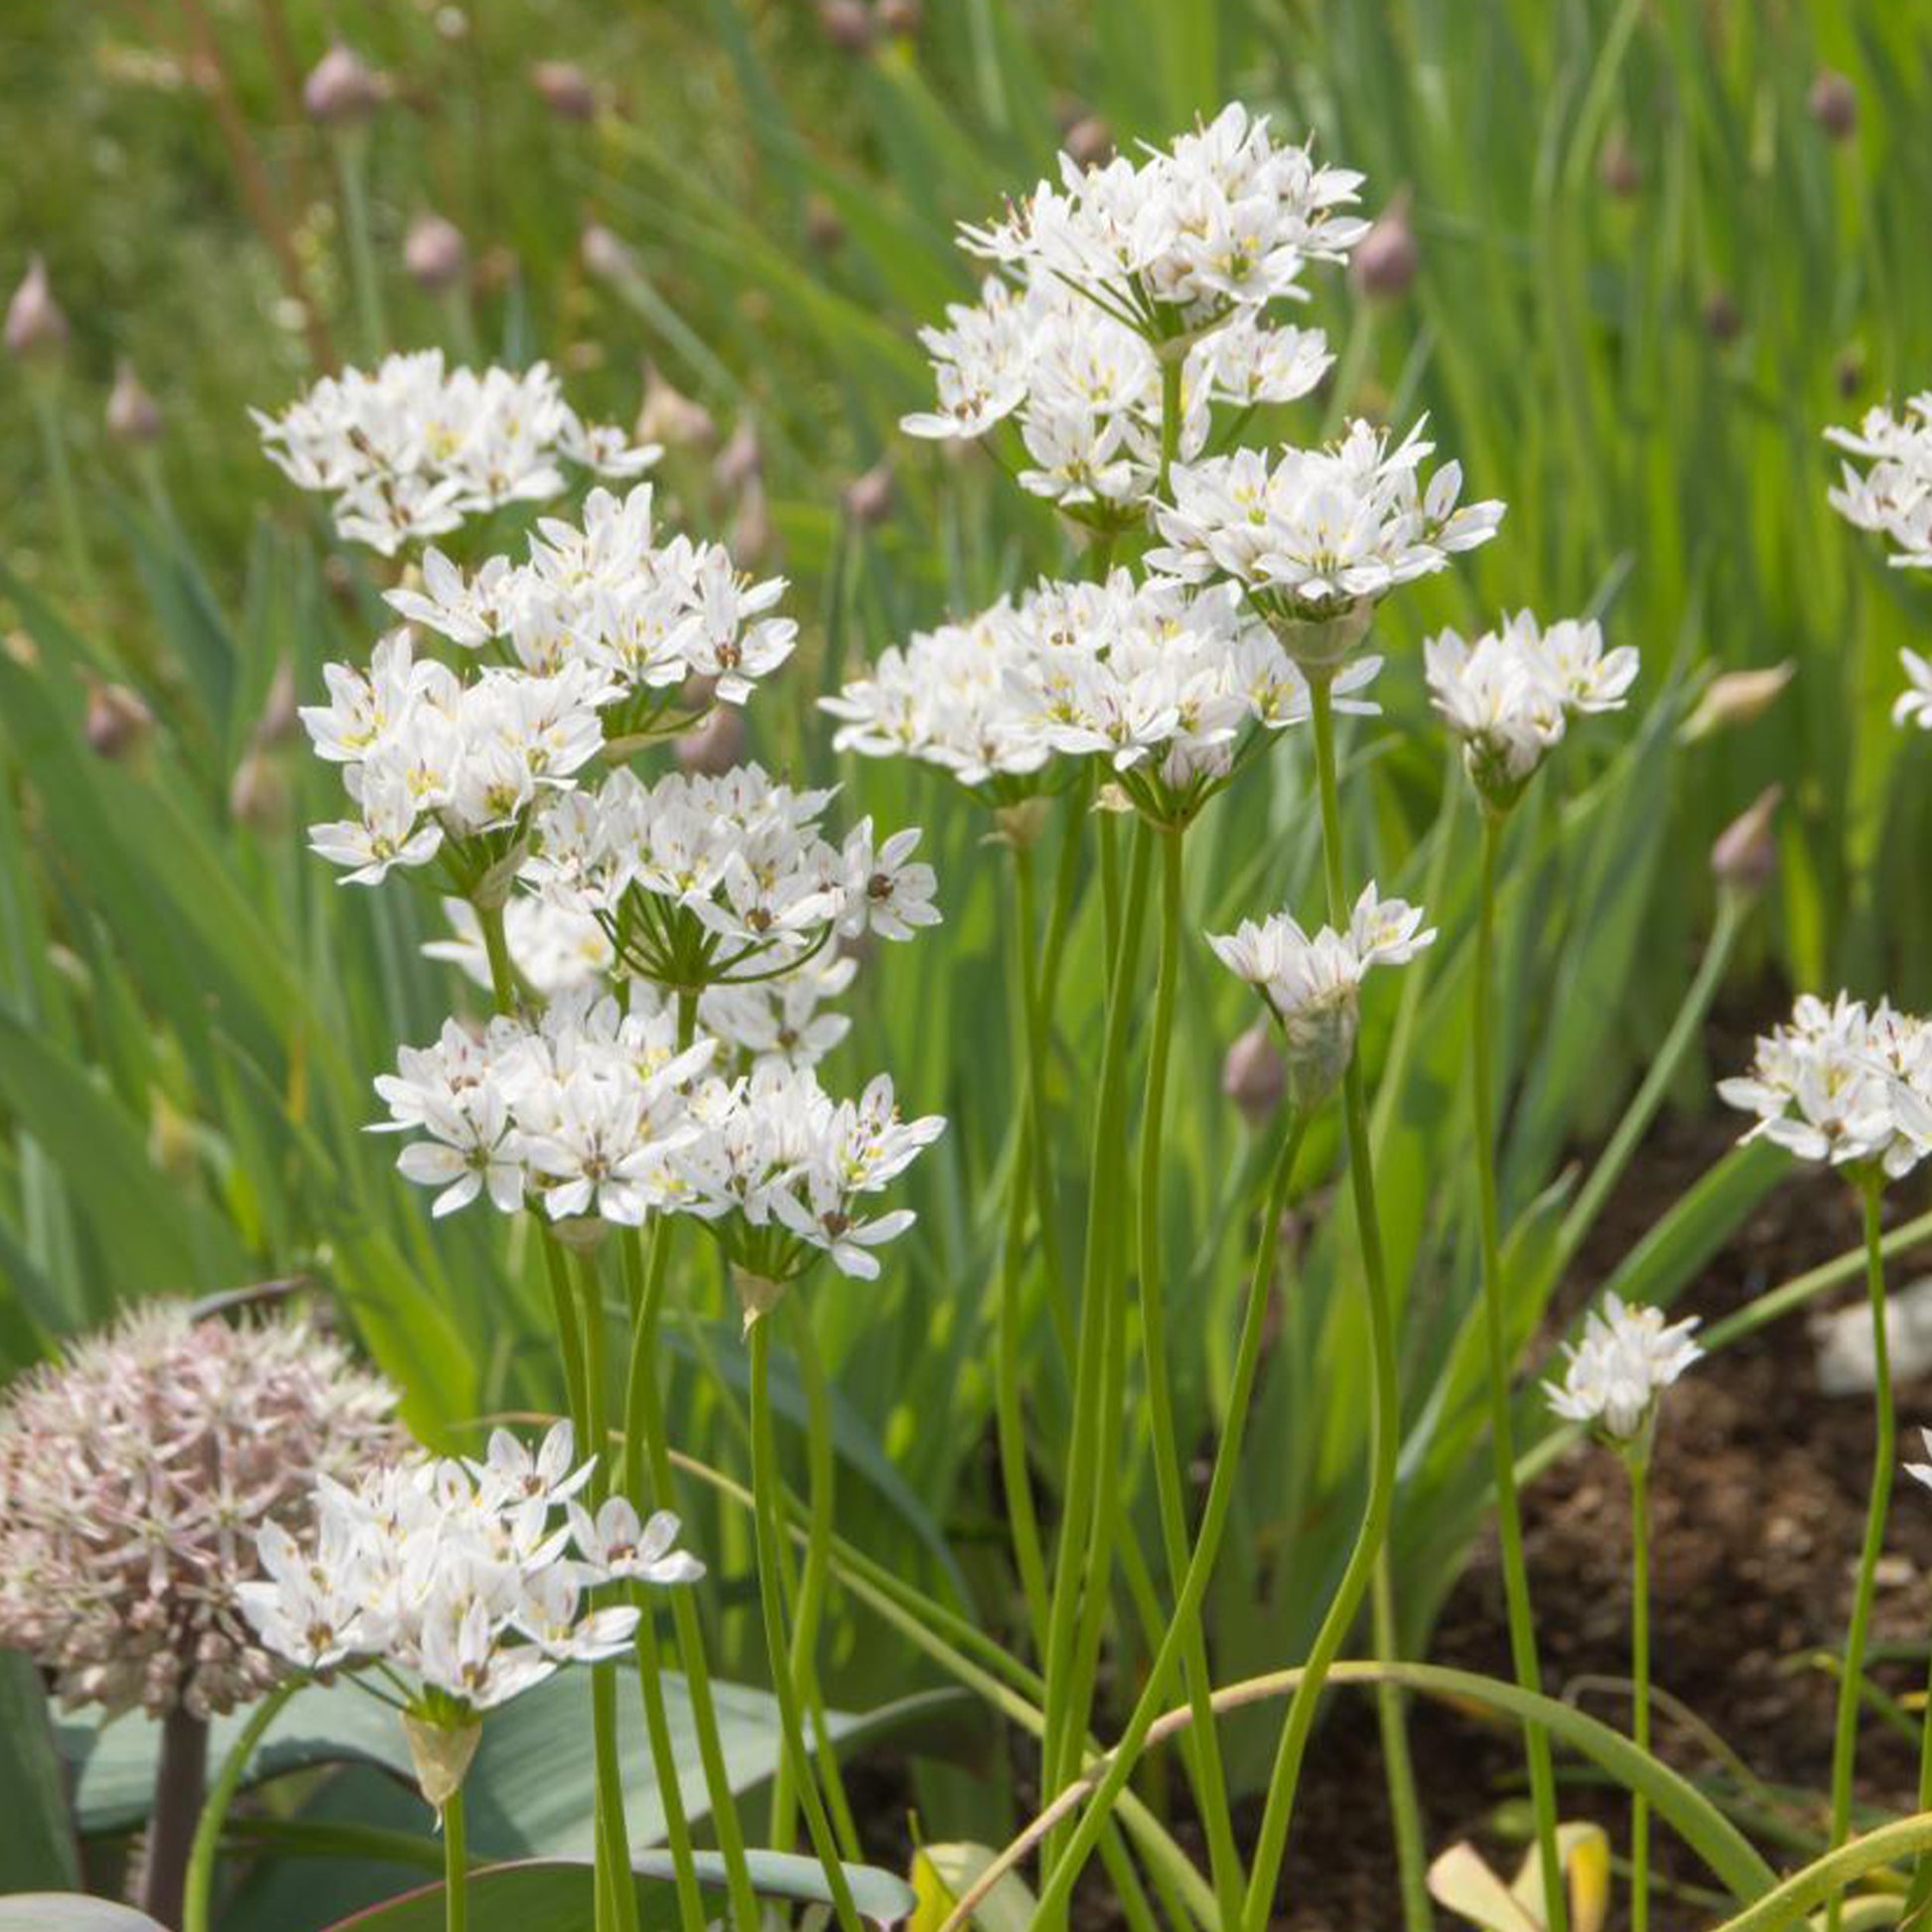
point(1746, 855)
point(280, 714)
point(1618, 167)
point(258, 796)
point(37, 326)
point(566, 89)
point(752, 533)
point(741, 460)
point(671, 417)
point(117, 722)
point(1088, 141)
point(903, 17)
point(868, 498)
point(1832, 102)
point(824, 228)
point(1737, 698)
point(133, 416)
point(1386, 260)
point(1320, 1040)
point(605, 256)
point(435, 254)
point(1723, 321)
point(715, 746)
point(846, 24)
point(342, 89)
point(1254, 1075)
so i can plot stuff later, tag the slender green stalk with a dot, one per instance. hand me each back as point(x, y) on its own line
point(351, 158)
point(1385, 1417)
point(1639, 1464)
point(1171, 371)
point(198, 1887)
point(502, 973)
point(1203, 1759)
point(1397, 1767)
point(1845, 1743)
point(764, 1496)
point(456, 1868)
point(1081, 1576)
point(1495, 1323)
point(1063, 1872)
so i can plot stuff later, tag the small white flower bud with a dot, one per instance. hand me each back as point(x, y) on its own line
point(1745, 855)
point(342, 89)
point(566, 89)
point(1385, 265)
point(1089, 141)
point(741, 460)
point(1254, 1075)
point(258, 794)
point(132, 414)
point(435, 254)
point(1737, 698)
point(605, 256)
point(37, 326)
point(716, 745)
point(868, 498)
point(117, 722)
point(671, 417)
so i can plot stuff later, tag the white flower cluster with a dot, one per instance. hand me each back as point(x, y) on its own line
point(1148, 674)
point(1626, 1359)
point(1317, 531)
point(700, 880)
point(1843, 1083)
point(1913, 706)
point(412, 450)
point(1312, 983)
point(457, 1573)
point(1126, 265)
point(1510, 694)
point(1894, 495)
point(591, 1112)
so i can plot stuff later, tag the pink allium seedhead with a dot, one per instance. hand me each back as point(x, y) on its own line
point(133, 1477)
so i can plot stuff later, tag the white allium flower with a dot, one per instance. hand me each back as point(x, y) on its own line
point(1627, 1359)
point(616, 1548)
point(1316, 532)
point(1913, 706)
point(1150, 676)
point(456, 1575)
point(1894, 495)
point(135, 1476)
point(1842, 1083)
point(1312, 982)
point(413, 449)
point(1510, 694)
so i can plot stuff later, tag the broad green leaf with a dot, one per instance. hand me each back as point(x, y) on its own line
point(37, 1845)
point(62, 1911)
point(943, 1874)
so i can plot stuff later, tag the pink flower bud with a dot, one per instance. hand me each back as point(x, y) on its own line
point(133, 416)
point(1833, 103)
point(435, 254)
point(901, 18)
point(1254, 1075)
point(868, 498)
point(671, 417)
point(566, 89)
point(1386, 260)
point(715, 746)
point(1089, 141)
point(37, 327)
point(846, 24)
point(118, 721)
point(1746, 855)
point(342, 89)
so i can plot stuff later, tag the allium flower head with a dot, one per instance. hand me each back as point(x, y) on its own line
point(1626, 1357)
point(1312, 981)
point(1843, 1083)
point(135, 1476)
point(1894, 495)
point(411, 450)
point(1510, 695)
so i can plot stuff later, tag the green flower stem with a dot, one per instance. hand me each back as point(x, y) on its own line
point(592, 1436)
point(456, 1868)
point(1385, 1414)
point(44, 391)
point(1203, 1759)
point(503, 973)
point(1638, 1461)
point(1495, 1321)
point(1397, 1767)
point(198, 1885)
point(1112, 1788)
point(351, 167)
point(764, 1496)
point(1170, 372)
point(1082, 1575)
point(1845, 1743)
point(1920, 1894)
point(648, 1451)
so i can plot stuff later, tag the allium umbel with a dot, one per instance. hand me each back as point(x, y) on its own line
point(1626, 1359)
point(134, 1478)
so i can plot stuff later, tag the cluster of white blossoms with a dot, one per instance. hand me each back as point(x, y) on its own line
point(1312, 981)
point(461, 1573)
point(591, 1112)
point(1125, 266)
point(700, 880)
point(1843, 1083)
point(1510, 695)
point(1626, 1357)
point(1894, 495)
point(1313, 532)
point(412, 450)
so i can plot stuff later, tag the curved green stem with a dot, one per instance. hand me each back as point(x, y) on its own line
point(764, 1497)
point(200, 1883)
point(1384, 1419)
point(1495, 1324)
point(1844, 1743)
point(1639, 1462)
point(1118, 1767)
point(456, 1868)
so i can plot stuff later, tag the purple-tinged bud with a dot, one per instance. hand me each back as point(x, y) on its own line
point(1088, 141)
point(846, 24)
point(868, 498)
point(117, 722)
point(37, 326)
point(1746, 855)
point(1833, 103)
point(671, 417)
point(1724, 321)
point(1387, 258)
point(566, 89)
point(1618, 167)
point(824, 227)
point(1254, 1075)
point(133, 416)
point(901, 18)
point(740, 461)
point(342, 89)
point(605, 256)
point(435, 253)
point(716, 745)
